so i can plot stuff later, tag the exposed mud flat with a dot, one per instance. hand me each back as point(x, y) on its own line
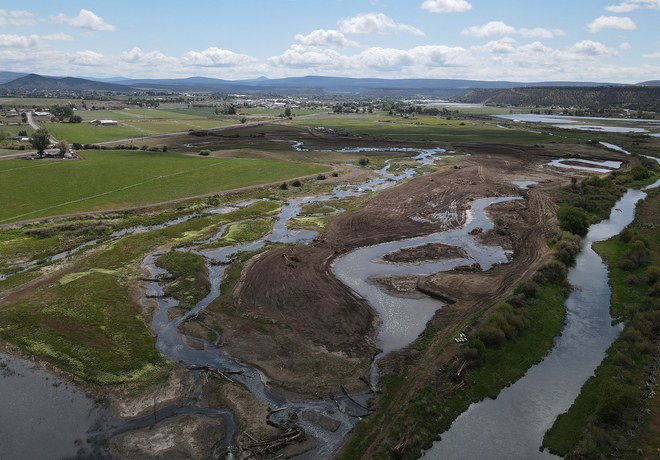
point(184, 436)
point(426, 252)
point(307, 311)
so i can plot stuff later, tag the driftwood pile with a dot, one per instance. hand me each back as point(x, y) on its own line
point(291, 433)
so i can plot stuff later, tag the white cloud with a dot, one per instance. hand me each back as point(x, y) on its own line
point(324, 38)
point(540, 32)
point(591, 48)
point(138, 57)
point(446, 6)
point(625, 46)
point(384, 58)
point(13, 41)
point(216, 57)
point(501, 46)
point(87, 59)
point(85, 20)
point(490, 29)
point(374, 23)
point(632, 5)
point(652, 56)
point(611, 22)
point(16, 18)
point(499, 28)
point(304, 57)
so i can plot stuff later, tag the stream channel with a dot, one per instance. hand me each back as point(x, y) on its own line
point(513, 425)
point(42, 416)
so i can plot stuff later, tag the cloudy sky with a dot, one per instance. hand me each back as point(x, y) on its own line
point(521, 40)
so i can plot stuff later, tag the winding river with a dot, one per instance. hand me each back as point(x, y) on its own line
point(401, 321)
point(513, 425)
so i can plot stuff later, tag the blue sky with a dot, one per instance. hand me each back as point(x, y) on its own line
point(521, 40)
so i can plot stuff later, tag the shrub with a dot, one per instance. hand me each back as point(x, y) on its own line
point(364, 161)
point(469, 354)
point(204, 153)
point(554, 272)
point(284, 186)
point(296, 183)
point(653, 275)
point(335, 174)
point(528, 289)
point(573, 220)
point(640, 173)
point(518, 300)
point(491, 335)
point(626, 264)
point(321, 177)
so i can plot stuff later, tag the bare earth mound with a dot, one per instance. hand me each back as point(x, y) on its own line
point(315, 333)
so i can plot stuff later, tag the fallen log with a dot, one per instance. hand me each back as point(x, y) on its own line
point(353, 400)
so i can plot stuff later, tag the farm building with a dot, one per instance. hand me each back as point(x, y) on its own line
point(104, 122)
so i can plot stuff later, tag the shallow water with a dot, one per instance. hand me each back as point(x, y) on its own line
point(43, 416)
point(403, 319)
point(513, 425)
point(590, 165)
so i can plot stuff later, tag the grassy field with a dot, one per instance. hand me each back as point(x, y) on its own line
point(191, 281)
point(242, 232)
point(116, 179)
point(85, 320)
point(89, 327)
point(133, 123)
point(424, 128)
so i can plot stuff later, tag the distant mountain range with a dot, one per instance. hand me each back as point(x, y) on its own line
point(319, 85)
point(38, 82)
point(308, 86)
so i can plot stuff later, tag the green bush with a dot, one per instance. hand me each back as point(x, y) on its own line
point(491, 335)
point(640, 173)
point(573, 220)
point(554, 272)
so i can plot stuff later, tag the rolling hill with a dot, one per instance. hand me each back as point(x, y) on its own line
point(630, 97)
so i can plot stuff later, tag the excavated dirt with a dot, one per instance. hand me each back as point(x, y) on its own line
point(186, 436)
point(305, 315)
point(427, 252)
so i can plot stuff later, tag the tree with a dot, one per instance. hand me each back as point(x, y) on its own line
point(75, 119)
point(40, 140)
point(63, 146)
point(243, 120)
point(573, 220)
point(287, 112)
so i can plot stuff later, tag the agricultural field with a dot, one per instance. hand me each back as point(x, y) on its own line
point(115, 179)
point(132, 123)
point(424, 128)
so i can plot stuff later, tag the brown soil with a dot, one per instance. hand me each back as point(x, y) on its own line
point(431, 251)
point(184, 436)
point(291, 313)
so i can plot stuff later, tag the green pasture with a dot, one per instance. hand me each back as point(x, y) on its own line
point(132, 123)
point(116, 179)
point(424, 128)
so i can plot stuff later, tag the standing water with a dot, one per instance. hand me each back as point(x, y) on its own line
point(512, 426)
